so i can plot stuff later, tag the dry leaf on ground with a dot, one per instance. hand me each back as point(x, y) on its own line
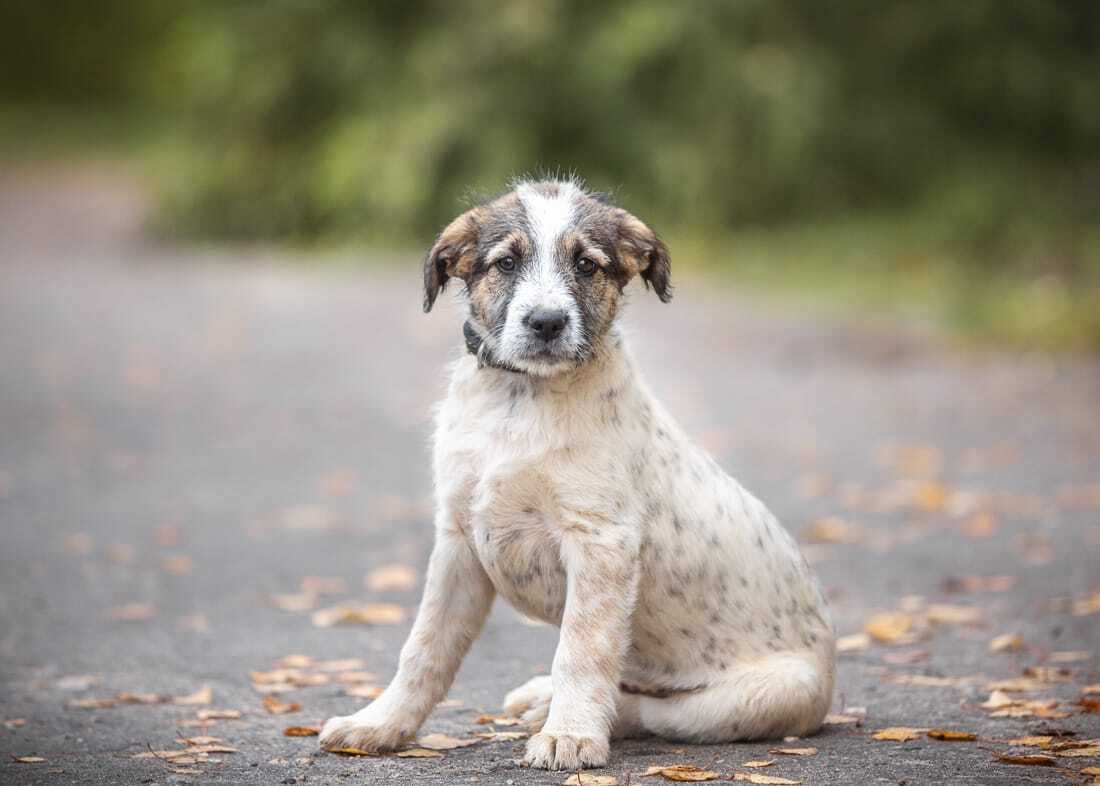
point(498, 720)
point(1094, 688)
point(364, 691)
point(1048, 673)
point(686, 773)
point(444, 742)
point(758, 764)
point(389, 578)
point(28, 759)
point(352, 752)
point(950, 735)
point(948, 614)
point(1007, 642)
point(1092, 752)
point(276, 707)
point(1090, 604)
point(1017, 685)
point(580, 779)
point(203, 695)
point(218, 714)
point(343, 664)
point(301, 731)
point(889, 627)
point(756, 777)
point(501, 736)
point(15, 723)
point(898, 734)
point(353, 614)
point(794, 751)
point(419, 753)
point(853, 642)
point(1033, 759)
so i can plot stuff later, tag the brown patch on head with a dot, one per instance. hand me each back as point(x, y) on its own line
point(453, 254)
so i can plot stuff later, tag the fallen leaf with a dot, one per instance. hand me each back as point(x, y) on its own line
point(343, 664)
point(501, 736)
point(1007, 642)
point(897, 734)
point(930, 681)
point(364, 691)
point(276, 707)
point(1017, 685)
point(28, 759)
point(141, 698)
point(794, 751)
point(1094, 688)
point(947, 614)
point(295, 662)
point(15, 723)
point(1091, 771)
point(391, 578)
point(443, 742)
point(1091, 706)
point(133, 612)
point(301, 731)
point(998, 699)
point(842, 719)
point(1033, 759)
point(179, 565)
point(1035, 741)
point(498, 720)
point(759, 764)
point(1087, 753)
point(580, 779)
point(1089, 604)
point(1048, 673)
point(91, 704)
point(218, 714)
point(852, 642)
point(1070, 656)
point(294, 601)
point(888, 627)
point(203, 695)
point(831, 530)
point(755, 777)
point(202, 739)
point(76, 682)
point(352, 752)
point(950, 735)
point(368, 614)
point(419, 753)
point(687, 773)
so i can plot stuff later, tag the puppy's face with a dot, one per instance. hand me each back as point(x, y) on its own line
point(545, 266)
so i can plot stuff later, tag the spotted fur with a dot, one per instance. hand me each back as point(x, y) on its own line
point(685, 608)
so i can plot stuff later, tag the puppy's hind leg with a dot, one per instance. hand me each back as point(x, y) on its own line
point(775, 696)
point(531, 701)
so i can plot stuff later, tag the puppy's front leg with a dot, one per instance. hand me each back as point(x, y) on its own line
point(595, 632)
point(457, 597)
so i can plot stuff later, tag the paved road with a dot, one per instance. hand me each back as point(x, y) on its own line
point(185, 434)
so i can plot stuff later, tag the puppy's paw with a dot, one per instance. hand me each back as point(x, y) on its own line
point(363, 733)
point(550, 751)
point(531, 701)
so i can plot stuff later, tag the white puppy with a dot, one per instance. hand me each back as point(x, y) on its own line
point(685, 609)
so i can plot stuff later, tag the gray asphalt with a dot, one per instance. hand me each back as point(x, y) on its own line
point(269, 420)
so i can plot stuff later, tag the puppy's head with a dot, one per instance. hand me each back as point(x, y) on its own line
point(544, 267)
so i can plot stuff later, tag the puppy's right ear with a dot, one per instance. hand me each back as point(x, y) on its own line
point(452, 256)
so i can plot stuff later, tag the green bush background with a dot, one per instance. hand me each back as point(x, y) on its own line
point(957, 137)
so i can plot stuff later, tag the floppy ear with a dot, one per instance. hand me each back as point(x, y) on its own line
point(452, 256)
point(643, 253)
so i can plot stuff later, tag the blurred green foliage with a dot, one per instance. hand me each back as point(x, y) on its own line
point(976, 123)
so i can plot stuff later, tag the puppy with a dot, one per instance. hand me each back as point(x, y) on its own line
point(685, 609)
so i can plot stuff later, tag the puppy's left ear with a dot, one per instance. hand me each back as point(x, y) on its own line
point(644, 254)
point(452, 256)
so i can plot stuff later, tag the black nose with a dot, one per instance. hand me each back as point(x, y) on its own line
point(547, 323)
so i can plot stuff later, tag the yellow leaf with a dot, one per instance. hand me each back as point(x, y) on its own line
point(443, 742)
point(201, 696)
point(364, 691)
point(301, 731)
point(1007, 642)
point(29, 759)
point(855, 641)
point(897, 734)
point(218, 714)
point(352, 752)
point(755, 777)
point(1094, 688)
point(419, 753)
point(389, 578)
point(1088, 753)
point(1034, 759)
point(580, 779)
point(947, 614)
point(501, 736)
point(366, 614)
point(759, 764)
point(888, 627)
point(276, 707)
point(949, 735)
point(794, 751)
point(1016, 685)
point(1036, 741)
point(687, 773)
point(498, 720)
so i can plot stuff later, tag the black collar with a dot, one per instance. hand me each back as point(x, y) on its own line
point(476, 346)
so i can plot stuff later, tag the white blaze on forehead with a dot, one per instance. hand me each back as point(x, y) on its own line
point(548, 217)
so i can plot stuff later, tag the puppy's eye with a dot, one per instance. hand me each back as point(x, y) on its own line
point(585, 266)
point(507, 264)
